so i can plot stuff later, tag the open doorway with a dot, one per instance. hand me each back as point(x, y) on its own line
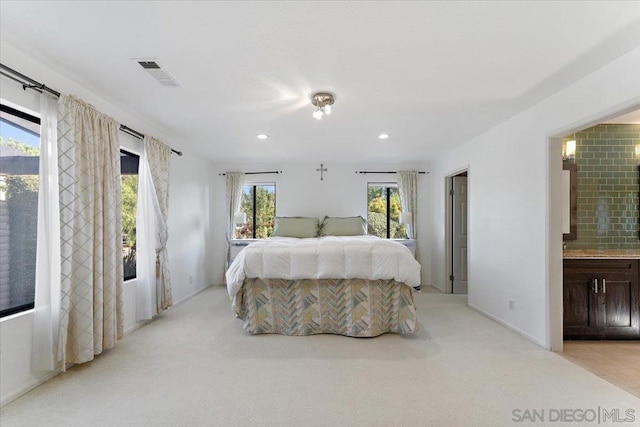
point(457, 232)
point(607, 177)
point(598, 303)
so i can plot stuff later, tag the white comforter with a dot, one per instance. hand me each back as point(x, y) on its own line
point(352, 257)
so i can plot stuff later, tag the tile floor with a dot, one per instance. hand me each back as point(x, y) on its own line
point(615, 361)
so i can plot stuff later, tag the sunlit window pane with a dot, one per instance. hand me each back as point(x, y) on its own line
point(383, 211)
point(259, 202)
point(19, 167)
point(129, 186)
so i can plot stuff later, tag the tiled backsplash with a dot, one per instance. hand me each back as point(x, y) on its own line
point(608, 185)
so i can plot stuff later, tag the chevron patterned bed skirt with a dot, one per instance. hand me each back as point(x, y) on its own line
point(351, 307)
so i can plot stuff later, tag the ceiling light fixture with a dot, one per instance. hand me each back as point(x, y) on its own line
point(262, 136)
point(383, 136)
point(324, 101)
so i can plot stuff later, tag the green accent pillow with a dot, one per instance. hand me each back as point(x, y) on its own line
point(346, 226)
point(300, 227)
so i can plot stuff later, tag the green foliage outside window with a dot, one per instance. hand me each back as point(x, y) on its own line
point(377, 211)
point(129, 203)
point(265, 208)
point(129, 188)
point(28, 150)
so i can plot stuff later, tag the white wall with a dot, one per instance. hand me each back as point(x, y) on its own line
point(189, 245)
point(189, 228)
point(511, 209)
point(299, 192)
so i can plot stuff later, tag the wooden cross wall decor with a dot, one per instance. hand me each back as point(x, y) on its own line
point(322, 170)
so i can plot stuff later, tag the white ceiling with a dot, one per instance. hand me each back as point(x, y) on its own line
point(431, 74)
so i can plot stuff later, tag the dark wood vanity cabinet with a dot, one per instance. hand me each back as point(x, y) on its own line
point(601, 299)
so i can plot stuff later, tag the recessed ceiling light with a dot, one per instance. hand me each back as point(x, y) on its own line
point(383, 136)
point(262, 136)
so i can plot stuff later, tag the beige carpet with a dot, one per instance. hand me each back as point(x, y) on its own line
point(195, 366)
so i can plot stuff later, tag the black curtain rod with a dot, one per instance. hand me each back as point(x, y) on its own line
point(256, 173)
point(366, 172)
point(24, 85)
point(32, 84)
point(28, 83)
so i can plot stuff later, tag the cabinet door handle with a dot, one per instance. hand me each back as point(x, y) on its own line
point(604, 286)
point(595, 288)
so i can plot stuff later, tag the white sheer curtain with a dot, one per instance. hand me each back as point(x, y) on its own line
point(235, 183)
point(153, 288)
point(145, 242)
point(46, 316)
point(91, 232)
point(408, 190)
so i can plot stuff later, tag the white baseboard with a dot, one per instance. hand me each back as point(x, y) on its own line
point(26, 389)
point(510, 327)
point(135, 327)
point(180, 301)
point(192, 294)
point(36, 382)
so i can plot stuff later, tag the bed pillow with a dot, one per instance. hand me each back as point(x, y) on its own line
point(346, 226)
point(300, 227)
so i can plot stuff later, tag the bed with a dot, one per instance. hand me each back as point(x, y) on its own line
point(358, 286)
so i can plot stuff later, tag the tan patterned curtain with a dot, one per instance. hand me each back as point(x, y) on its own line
point(408, 190)
point(234, 185)
point(91, 317)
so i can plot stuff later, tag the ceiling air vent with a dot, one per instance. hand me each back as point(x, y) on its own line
point(153, 68)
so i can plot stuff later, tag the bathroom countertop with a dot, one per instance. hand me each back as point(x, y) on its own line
point(601, 253)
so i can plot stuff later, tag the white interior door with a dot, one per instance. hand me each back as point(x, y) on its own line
point(460, 231)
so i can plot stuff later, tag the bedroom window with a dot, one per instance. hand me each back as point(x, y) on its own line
point(383, 211)
point(259, 203)
point(19, 168)
point(129, 187)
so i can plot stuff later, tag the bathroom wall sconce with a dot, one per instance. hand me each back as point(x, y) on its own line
point(638, 152)
point(570, 150)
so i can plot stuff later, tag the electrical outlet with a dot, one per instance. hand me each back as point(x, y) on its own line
point(512, 305)
point(190, 280)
